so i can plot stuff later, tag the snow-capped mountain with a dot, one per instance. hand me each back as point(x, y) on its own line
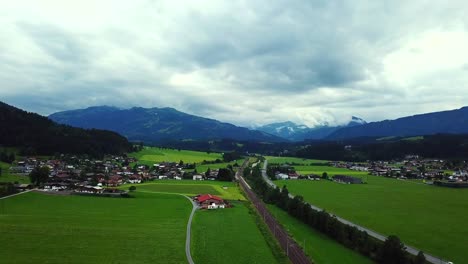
point(298, 132)
point(286, 129)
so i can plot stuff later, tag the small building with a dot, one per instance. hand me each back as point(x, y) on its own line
point(208, 201)
point(197, 177)
point(282, 176)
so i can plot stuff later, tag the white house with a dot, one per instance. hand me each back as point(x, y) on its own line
point(282, 176)
point(197, 177)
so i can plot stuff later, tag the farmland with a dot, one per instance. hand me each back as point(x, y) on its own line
point(150, 155)
point(73, 229)
point(229, 236)
point(281, 160)
point(322, 249)
point(423, 216)
point(191, 188)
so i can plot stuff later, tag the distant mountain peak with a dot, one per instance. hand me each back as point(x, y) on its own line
point(292, 131)
point(451, 122)
point(153, 125)
point(356, 121)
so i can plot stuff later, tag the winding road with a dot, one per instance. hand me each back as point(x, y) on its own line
point(411, 250)
point(189, 232)
point(188, 236)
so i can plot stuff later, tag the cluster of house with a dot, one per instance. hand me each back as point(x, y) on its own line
point(85, 175)
point(208, 201)
point(411, 167)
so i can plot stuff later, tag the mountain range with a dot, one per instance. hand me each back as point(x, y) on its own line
point(152, 125)
point(294, 132)
point(155, 125)
point(447, 122)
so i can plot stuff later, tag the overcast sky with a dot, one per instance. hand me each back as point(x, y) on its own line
point(246, 62)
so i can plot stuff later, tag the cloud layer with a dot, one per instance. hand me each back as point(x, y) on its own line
point(246, 62)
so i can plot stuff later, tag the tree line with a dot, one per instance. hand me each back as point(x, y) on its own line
point(392, 251)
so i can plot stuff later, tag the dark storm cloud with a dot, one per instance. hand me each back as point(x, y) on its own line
point(241, 61)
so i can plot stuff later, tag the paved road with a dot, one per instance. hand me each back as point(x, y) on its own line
point(5, 197)
point(189, 224)
point(189, 231)
point(411, 250)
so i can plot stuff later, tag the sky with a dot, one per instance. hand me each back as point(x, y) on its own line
point(247, 62)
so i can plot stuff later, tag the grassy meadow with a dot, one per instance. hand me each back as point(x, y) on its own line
point(191, 188)
point(427, 217)
point(44, 228)
point(320, 248)
point(229, 236)
point(151, 155)
point(281, 160)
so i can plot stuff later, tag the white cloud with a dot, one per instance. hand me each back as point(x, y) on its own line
point(246, 62)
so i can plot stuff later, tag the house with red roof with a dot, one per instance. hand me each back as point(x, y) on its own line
point(208, 201)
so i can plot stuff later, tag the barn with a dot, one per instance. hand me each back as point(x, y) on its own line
point(208, 201)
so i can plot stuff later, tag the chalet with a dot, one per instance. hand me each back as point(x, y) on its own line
point(55, 186)
point(208, 201)
point(115, 180)
point(88, 189)
point(282, 176)
point(293, 176)
point(197, 177)
point(313, 177)
point(134, 179)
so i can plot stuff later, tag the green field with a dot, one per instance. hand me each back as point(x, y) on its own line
point(304, 170)
point(41, 228)
point(229, 236)
point(281, 160)
point(150, 155)
point(191, 188)
point(204, 167)
point(9, 177)
point(319, 247)
point(427, 217)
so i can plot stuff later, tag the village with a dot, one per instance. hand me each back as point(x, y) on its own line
point(430, 171)
point(84, 175)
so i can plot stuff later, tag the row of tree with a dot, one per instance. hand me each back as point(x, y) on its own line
point(392, 251)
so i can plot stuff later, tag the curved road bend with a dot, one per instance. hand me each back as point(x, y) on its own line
point(189, 231)
point(411, 250)
point(189, 225)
